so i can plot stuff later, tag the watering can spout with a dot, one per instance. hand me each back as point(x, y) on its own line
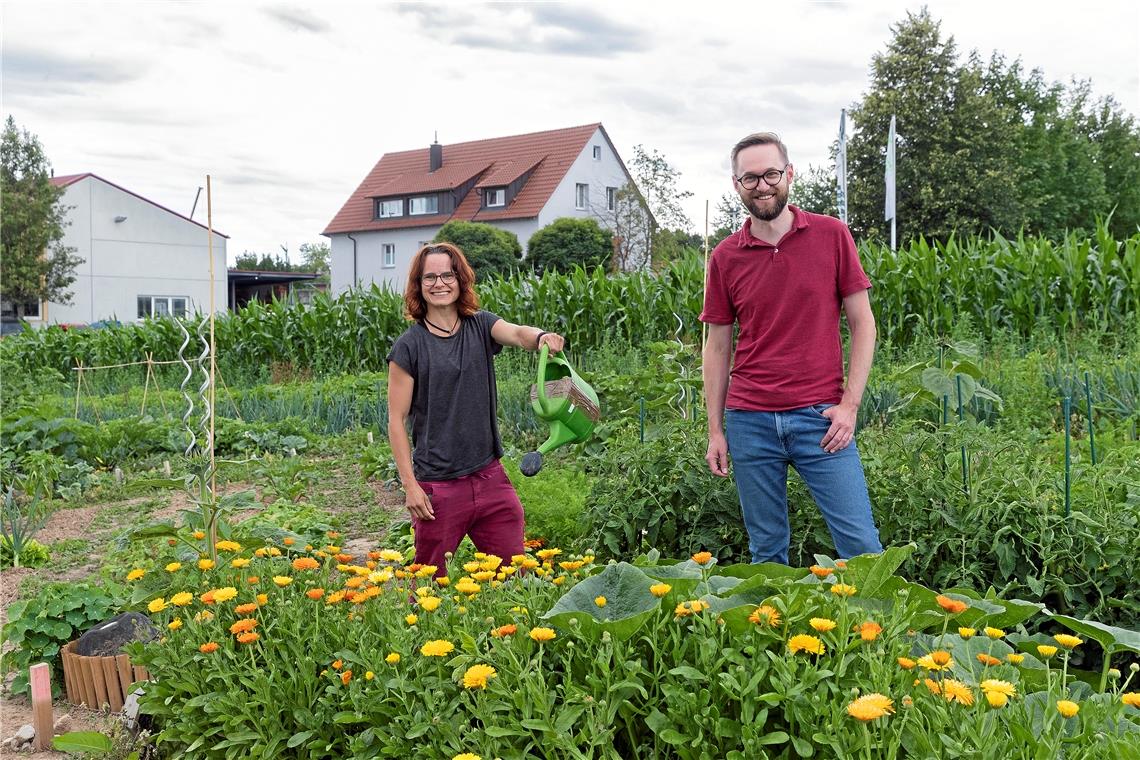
point(565, 401)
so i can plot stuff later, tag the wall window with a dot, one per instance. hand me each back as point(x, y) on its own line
point(423, 204)
point(495, 197)
point(388, 209)
point(581, 195)
point(611, 198)
point(29, 310)
point(388, 255)
point(162, 306)
point(597, 152)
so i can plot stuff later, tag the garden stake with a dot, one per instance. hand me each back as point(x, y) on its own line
point(641, 417)
point(39, 677)
point(965, 464)
point(1089, 407)
point(1065, 407)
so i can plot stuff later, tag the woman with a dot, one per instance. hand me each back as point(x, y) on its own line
point(441, 374)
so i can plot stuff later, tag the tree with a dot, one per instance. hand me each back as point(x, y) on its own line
point(315, 257)
point(37, 266)
point(569, 242)
point(728, 216)
point(629, 221)
point(490, 251)
point(262, 262)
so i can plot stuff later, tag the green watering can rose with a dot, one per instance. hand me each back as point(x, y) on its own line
point(565, 401)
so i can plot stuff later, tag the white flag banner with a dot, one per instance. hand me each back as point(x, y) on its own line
point(889, 208)
point(841, 167)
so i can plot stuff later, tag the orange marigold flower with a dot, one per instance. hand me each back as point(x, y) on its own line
point(342, 557)
point(819, 571)
point(289, 541)
point(245, 624)
point(247, 638)
point(263, 599)
point(504, 630)
point(335, 597)
point(208, 647)
point(245, 609)
point(208, 597)
point(906, 663)
point(345, 677)
point(988, 660)
point(199, 535)
point(702, 558)
point(252, 580)
point(840, 564)
point(1131, 698)
point(354, 582)
point(956, 691)
point(869, 630)
point(765, 614)
point(315, 593)
point(305, 563)
point(953, 606)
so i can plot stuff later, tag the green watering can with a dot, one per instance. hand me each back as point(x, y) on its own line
point(564, 400)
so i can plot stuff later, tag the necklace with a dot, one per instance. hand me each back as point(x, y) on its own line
point(444, 329)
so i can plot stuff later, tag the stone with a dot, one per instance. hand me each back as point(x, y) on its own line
point(24, 736)
point(108, 638)
point(62, 724)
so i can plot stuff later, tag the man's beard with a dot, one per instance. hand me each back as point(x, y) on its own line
point(778, 201)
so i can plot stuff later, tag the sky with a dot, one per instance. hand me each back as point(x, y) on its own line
point(287, 106)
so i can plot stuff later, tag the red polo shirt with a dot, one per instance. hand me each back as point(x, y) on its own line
point(787, 298)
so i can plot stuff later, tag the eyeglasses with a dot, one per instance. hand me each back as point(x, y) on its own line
point(431, 277)
point(771, 178)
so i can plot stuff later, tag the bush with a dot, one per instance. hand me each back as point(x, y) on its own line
point(568, 242)
point(490, 250)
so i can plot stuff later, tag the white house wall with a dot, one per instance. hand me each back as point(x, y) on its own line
point(152, 252)
point(597, 173)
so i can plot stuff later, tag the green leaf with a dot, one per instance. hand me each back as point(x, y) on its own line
point(776, 737)
point(1110, 637)
point(298, 738)
point(82, 741)
point(628, 603)
point(869, 572)
point(688, 673)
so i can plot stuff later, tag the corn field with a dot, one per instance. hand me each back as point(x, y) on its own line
point(1005, 286)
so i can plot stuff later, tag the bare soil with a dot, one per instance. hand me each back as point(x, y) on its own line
point(17, 711)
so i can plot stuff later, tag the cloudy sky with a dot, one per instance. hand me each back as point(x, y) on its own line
point(288, 105)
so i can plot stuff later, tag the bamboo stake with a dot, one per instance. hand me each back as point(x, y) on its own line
point(210, 397)
point(146, 383)
point(78, 384)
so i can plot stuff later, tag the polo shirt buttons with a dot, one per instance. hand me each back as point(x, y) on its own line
point(777, 250)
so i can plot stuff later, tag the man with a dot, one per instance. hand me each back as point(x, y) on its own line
point(783, 277)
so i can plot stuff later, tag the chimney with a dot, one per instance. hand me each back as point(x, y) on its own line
point(435, 154)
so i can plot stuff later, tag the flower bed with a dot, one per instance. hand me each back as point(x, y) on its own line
point(317, 653)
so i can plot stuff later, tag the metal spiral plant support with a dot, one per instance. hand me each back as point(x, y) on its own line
point(182, 388)
point(683, 392)
point(206, 420)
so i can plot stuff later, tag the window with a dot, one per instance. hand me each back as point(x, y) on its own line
point(423, 204)
point(611, 198)
point(597, 152)
point(388, 209)
point(388, 255)
point(581, 195)
point(495, 197)
point(29, 310)
point(162, 306)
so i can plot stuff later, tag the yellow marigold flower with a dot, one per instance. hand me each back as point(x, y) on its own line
point(1131, 698)
point(660, 589)
point(994, 633)
point(391, 555)
point(952, 606)
point(315, 593)
point(199, 535)
point(956, 691)
point(224, 594)
point(490, 562)
point(542, 634)
point(173, 567)
point(869, 630)
point(411, 619)
point(1046, 650)
point(804, 643)
point(157, 605)
point(483, 575)
point(204, 616)
point(240, 562)
point(559, 580)
point(354, 582)
point(545, 554)
point(437, 648)
point(906, 663)
point(182, 598)
point(136, 574)
point(305, 563)
point(245, 624)
point(369, 675)
point(530, 563)
point(1014, 658)
point(430, 603)
point(967, 633)
point(765, 614)
point(282, 580)
point(823, 625)
point(988, 660)
point(228, 546)
point(262, 552)
point(869, 707)
point(997, 692)
point(467, 756)
point(1067, 708)
point(996, 699)
point(208, 647)
point(443, 581)
point(334, 597)
point(1067, 641)
point(262, 599)
point(571, 565)
point(392, 658)
point(205, 564)
point(600, 601)
point(843, 589)
point(245, 609)
point(932, 686)
point(247, 638)
point(274, 551)
point(467, 586)
point(174, 624)
point(702, 558)
point(332, 534)
point(477, 676)
point(819, 571)
point(936, 660)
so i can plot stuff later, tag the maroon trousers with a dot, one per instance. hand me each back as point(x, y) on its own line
point(482, 505)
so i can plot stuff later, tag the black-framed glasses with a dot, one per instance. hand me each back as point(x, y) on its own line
point(771, 178)
point(430, 278)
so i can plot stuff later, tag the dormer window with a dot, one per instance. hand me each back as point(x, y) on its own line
point(496, 196)
point(423, 204)
point(389, 209)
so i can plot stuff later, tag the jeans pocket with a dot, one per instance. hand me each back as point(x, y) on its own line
point(821, 408)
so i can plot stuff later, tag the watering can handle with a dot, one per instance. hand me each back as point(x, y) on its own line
point(543, 354)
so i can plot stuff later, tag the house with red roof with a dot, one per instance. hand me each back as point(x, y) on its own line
point(519, 183)
point(140, 258)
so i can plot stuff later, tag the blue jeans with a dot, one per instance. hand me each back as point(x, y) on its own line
point(762, 445)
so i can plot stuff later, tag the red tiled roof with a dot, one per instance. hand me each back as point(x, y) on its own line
point(64, 180)
point(447, 177)
point(405, 172)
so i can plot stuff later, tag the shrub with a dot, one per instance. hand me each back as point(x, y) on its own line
point(490, 250)
point(568, 242)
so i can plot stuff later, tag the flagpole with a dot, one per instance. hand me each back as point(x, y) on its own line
point(841, 167)
point(889, 210)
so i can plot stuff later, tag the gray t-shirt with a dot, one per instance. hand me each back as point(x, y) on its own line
point(454, 399)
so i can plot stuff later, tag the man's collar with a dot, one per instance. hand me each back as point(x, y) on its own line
point(746, 239)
